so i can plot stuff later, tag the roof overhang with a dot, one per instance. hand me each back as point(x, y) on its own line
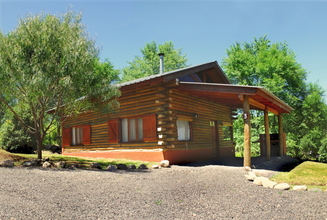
point(232, 96)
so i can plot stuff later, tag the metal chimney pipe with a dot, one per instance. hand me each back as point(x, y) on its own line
point(162, 65)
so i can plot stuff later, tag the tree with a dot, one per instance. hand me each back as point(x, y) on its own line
point(148, 63)
point(274, 66)
point(49, 62)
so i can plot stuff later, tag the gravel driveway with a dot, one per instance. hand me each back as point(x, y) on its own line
point(179, 192)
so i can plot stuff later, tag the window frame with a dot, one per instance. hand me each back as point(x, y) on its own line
point(190, 126)
point(85, 135)
point(149, 129)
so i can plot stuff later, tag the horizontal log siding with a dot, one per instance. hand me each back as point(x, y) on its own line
point(184, 104)
point(136, 102)
point(167, 102)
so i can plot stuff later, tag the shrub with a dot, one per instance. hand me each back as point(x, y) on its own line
point(14, 138)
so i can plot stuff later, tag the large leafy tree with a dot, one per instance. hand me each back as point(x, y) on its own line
point(148, 63)
point(274, 66)
point(49, 62)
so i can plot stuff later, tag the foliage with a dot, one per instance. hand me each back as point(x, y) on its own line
point(274, 66)
point(13, 137)
point(48, 62)
point(148, 63)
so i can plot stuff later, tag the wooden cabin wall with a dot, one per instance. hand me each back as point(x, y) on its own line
point(134, 102)
point(167, 102)
point(202, 111)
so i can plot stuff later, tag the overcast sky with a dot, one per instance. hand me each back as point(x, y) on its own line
point(203, 29)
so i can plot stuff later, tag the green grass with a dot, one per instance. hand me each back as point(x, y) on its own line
point(82, 161)
point(311, 174)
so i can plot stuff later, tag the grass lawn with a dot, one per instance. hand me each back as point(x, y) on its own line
point(19, 159)
point(312, 174)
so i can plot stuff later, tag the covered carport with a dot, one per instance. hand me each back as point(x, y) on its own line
point(245, 97)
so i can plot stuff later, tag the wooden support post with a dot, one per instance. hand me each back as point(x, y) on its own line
point(247, 132)
point(281, 137)
point(267, 134)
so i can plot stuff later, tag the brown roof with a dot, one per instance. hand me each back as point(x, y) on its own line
point(232, 95)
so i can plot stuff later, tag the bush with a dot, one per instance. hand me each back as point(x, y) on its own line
point(14, 138)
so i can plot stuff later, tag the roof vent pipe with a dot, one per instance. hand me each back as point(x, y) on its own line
point(162, 65)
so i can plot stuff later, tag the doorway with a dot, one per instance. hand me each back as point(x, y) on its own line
point(214, 138)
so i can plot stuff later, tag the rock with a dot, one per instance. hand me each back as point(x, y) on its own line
point(164, 163)
point(46, 164)
point(142, 167)
point(155, 167)
point(60, 164)
point(300, 188)
point(269, 184)
point(122, 166)
point(250, 176)
point(112, 168)
point(75, 165)
point(131, 167)
point(259, 180)
point(282, 186)
point(30, 163)
point(315, 190)
point(7, 163)
point(95, 165)
point(47, 159)
point(247, 169)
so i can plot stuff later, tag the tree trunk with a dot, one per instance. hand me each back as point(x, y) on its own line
point(39, 141)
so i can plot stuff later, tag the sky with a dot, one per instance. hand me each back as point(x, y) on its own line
point(204, 30)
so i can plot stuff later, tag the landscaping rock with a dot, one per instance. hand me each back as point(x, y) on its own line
point(164, 163)
point(259, 180)
point(300, 188)
point(46, 164)
point(142, 167)
point(122, 166)
point(247, 169)
point(95, 165)
point(131, 167)
point(269, 184)
point(155, 167)
point(250, 176)
point(60, 164)
point(7, 163)
point(282, 186)
point(112, 168)
point(30, 163)
point(315, 190)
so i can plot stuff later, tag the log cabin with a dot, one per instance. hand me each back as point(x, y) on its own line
point(181, 116)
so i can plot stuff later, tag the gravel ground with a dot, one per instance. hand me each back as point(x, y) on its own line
point(180, 192)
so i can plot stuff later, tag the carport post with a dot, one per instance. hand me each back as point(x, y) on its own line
point(247, 132)
point(267, 133)
point(281, 138)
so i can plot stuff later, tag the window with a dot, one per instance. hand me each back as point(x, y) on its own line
point(184, 128)
point(77, 135)
point(227, 131)
point(134, 129)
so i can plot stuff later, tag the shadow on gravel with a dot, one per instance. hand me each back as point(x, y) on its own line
point(283, 164)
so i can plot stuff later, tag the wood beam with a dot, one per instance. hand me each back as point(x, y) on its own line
point(267, 134)
point(247, 132)
point(281, 137)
